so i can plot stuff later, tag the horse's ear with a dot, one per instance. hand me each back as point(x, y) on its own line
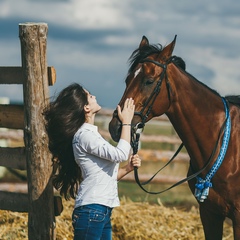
point(144, 42)
point(167, 51)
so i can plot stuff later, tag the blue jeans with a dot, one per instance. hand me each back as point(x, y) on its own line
point(92, 222)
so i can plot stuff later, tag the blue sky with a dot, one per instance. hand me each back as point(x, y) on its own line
point(90, 41)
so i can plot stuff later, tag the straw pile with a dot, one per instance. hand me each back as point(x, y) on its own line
point(130, 221)
point(142, 221)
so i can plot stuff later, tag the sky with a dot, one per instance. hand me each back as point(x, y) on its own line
point(90, 41)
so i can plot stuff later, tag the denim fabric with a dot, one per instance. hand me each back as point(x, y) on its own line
point(92, 222)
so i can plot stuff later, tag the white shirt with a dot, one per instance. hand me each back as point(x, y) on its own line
point(99, 163)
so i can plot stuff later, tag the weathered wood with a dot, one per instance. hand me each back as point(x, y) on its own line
point(13, 157)
point(13, 201)
point(18, 202)
point(11, 75)
point(12, 135)
point(52, 76)
point(15, 75)
point(11, 116)
point(41, 220)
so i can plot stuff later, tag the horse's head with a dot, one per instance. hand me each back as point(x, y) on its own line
point(146, 77)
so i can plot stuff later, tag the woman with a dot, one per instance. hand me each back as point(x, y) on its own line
point(88, 166)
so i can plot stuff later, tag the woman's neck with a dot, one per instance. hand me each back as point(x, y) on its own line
point(90, 119)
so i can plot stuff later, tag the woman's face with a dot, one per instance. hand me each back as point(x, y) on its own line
point(93, 106)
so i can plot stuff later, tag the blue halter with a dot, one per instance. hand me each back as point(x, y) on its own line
point(202, 186)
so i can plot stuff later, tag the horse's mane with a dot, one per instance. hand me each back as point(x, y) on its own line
point(234, 99)
point(141, 53)
point(179, 62)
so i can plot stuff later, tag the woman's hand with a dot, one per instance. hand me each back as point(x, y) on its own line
point(127, 113)
point(134, 161)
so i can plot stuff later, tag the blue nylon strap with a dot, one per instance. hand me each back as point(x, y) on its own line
point(202, 186)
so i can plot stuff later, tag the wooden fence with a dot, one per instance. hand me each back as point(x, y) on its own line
point(35, 76)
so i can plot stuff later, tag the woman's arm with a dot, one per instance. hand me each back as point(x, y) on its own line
point(134, 161)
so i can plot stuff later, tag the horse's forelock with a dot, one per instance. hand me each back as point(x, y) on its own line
point(141, 53)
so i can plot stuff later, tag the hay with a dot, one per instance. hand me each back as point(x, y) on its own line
point(145, 221)
point(130, 221)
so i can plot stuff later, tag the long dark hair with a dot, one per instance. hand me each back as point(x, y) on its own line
point(64, 116)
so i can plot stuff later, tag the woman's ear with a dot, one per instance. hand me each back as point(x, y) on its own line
point(86, 108)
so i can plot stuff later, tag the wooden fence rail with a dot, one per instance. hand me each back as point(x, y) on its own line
point(35, 76)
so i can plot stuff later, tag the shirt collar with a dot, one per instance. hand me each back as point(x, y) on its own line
point(90, 126)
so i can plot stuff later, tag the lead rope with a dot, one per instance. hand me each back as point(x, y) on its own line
point(202, 186)
point(134, 143)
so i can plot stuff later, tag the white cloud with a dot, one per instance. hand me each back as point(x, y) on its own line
point(71, 54)
point(91, 14)
point(226, 70)
point(5, 9)
point(84, 14)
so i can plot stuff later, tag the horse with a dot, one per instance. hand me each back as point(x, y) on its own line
point(207, 124)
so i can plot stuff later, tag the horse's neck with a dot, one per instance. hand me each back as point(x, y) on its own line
point(197, 115)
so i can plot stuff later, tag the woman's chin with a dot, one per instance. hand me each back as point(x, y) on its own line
point(98, 109)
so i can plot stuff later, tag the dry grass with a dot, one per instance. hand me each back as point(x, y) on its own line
point(130, 221)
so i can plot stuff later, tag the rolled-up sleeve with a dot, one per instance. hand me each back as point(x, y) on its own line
point(93, 143)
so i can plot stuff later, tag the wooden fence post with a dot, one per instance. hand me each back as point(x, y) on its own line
point(41, 220)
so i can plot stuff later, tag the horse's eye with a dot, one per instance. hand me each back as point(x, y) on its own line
point(149, 81)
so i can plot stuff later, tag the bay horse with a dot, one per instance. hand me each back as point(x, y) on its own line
point(207, 124)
